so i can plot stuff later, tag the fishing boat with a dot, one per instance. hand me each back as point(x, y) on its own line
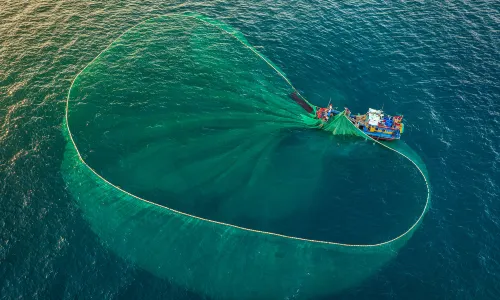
point(374, 123)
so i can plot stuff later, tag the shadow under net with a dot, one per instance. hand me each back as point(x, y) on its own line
point(181, 111)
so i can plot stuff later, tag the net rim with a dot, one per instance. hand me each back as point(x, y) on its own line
point(199, 17)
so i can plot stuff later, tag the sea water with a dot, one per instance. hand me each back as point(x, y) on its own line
point(437, 63)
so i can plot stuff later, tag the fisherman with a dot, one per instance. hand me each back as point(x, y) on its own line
point(327, 113)
point(330, 109)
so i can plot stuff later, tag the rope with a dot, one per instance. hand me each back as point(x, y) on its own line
point(259, 55)
point(427, 186)
point(222, 223)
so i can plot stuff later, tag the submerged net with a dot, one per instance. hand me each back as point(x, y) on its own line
point(192, 155)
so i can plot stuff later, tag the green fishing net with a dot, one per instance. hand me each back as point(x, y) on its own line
point(192, 155)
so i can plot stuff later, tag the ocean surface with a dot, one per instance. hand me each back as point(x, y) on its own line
point(438, 63)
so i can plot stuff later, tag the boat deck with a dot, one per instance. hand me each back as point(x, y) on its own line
point(378, 132)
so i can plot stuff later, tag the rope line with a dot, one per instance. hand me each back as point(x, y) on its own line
point(222, 223)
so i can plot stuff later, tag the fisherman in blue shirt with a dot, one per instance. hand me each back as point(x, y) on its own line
point(330, 108)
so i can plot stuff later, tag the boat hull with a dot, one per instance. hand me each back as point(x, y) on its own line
point(378, 138)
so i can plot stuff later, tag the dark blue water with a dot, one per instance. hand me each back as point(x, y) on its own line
point(438, 63)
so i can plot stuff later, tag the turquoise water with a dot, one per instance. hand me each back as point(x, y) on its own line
point(406, 58)
point(182, 112)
